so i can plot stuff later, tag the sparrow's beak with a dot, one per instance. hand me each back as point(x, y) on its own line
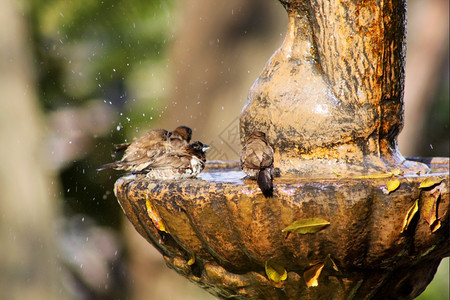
point(205, 148)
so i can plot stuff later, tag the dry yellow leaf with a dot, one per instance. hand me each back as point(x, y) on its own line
point(275, 272)
point(336, 173)
point(333, 264)
point(191, 261)
point(375, 176)
point(398, 172)
point(311, 275)
point(410, 215)
point(429, 182)
point(430, 206)
point(305, 226)
point(154, 216)
point(435, 226)
point(392, 185)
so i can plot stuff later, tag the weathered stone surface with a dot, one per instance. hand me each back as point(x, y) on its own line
point(332, 94)
point(231, 230)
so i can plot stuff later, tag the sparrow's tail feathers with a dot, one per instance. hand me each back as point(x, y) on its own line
point(265, 182)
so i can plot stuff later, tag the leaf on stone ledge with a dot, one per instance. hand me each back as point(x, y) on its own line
point(333, 264)
point(154, 216)
point(392, 185)
point(336, 173)
point(311, 275)
point(429, 182)
point(398, 172)
point(305, 226)
point(435, 226)
point(275, 272)
point(430, 207)
point(191, 261)
point(375, 176)
point(410, 215)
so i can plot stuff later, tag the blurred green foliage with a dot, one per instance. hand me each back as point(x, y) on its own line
point(109, 51)
point(439, 287)
point(435, 134)
point(85, 49)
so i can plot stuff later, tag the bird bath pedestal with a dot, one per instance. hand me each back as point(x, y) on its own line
point(331, 103)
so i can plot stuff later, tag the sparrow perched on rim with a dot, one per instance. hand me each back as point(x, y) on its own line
point(257, 161)
point(181, 136)
point(187, 162)
point(142, 152)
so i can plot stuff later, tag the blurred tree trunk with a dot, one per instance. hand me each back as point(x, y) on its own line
point(428, 45)
point(28, 265)
point(219, 50)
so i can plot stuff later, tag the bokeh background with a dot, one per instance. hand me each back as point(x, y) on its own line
point(78, 76)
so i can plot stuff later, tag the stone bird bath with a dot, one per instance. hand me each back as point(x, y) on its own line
point(331, 102)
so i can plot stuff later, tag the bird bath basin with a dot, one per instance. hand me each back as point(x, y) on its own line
point(330, 101)
point(219, 231)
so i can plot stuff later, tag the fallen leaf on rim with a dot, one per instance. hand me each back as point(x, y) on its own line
point(191, 261)
point(311, 275)
point(333, 264)
point(393, 185)
point(275, 272)
point(435, 226)
point(375, 176)
point(410, 215)
point(336, 173)
point(154, 216)
point(430, 207)
point(398, 172)
point(429, 182)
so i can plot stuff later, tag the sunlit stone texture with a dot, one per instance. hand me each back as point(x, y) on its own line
point(231, 230)
point(332, 96)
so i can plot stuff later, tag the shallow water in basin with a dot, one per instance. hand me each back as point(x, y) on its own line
point(230, 176)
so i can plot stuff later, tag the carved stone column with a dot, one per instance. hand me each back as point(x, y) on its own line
point(331, 98)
